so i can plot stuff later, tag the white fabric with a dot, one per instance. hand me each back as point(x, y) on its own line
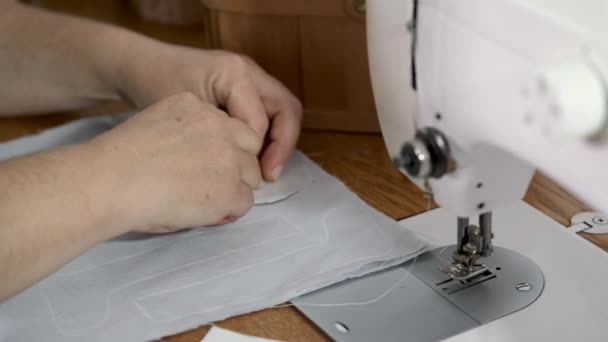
point(139, 287)
point(294, 178)
point(217, 334)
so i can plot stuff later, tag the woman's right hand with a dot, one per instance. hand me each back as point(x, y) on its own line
point(180, 163)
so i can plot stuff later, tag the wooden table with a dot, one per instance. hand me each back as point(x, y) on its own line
point(361, 162)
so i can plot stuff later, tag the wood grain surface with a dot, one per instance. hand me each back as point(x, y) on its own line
point(361, 162)
point(357, 159)
point(320, 55)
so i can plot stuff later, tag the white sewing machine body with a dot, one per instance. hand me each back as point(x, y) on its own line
point(572, 305)
point(513, 84)
point(507, 85)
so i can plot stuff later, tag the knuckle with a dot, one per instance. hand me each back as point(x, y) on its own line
point(229, 156)
point(186, 98)
point(212, 120)
point(258, 144)
point(235, 61)
point(184, 103)
point(263, 123)
point(258, 176)
point(177, 104)
point(246, 59)
point(197, 125)
point(239, 126)
point(298, 107)
point(246, 200)
point(241, 83)
point(253, 168)
point(252, 141)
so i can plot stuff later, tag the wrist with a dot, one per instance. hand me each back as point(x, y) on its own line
point(126, 59)
point(98, 190)
point(113, 53)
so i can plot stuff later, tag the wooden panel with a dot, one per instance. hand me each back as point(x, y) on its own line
point(119, 12)
point(280, 7)
point(341, 121)
point(320, 54)
point(335, 71)
point(175, 12)
point(272, 41)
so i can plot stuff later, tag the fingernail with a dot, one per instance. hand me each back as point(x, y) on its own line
point(276, 172)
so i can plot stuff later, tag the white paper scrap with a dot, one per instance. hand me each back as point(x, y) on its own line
point(217, 334)
point(294, 178)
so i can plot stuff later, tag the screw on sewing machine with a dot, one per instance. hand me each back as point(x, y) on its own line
point(589, 222)
point(341, 327)
point(427, 155)
point(525, 287)
point(600, 220)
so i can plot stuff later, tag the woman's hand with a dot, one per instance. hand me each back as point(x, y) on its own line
point(226, 80)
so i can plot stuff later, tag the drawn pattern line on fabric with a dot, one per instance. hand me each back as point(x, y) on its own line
point(107, 305)
point(141, 308)
point(324, 240)
point(149, 316)
point(198, 233)
point(139, 302)
point(401, 282)
point(361, 259)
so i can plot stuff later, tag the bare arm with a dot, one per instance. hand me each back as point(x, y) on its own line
point(55, 62)
point(178, 164)
point(49, 213)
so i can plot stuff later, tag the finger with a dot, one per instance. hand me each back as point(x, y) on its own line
point(285, 114)
point(282, 140)
point(250, 170)
point(243, 102)
point(242, 202)
point(226, 220)
point(245, 137)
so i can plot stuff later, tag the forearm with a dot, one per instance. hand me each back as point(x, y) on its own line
point(52, 209)
point(55, 62)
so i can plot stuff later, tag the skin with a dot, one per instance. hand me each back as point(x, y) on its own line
point(180, 162)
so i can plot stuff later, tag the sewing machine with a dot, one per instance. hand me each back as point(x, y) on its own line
point(472, 95)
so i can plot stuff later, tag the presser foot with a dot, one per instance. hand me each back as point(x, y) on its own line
point(423, 303)
point(474, 242)
point(462, 273)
